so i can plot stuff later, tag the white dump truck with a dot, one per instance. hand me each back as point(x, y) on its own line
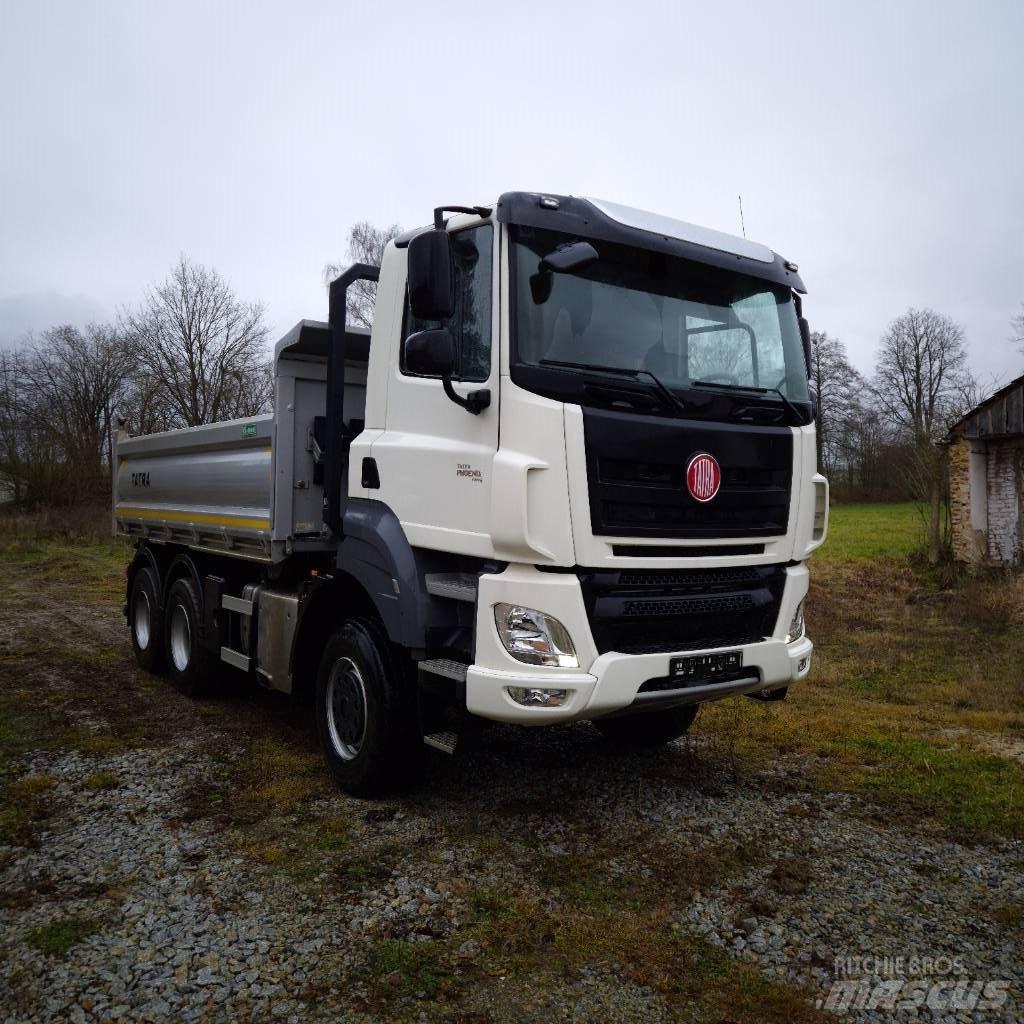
point(570, 474)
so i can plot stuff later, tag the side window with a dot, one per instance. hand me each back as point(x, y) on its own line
point(471, 324)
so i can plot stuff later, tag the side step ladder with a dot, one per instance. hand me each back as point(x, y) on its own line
point(242, 607)
point(444, 740)
point(457, 586)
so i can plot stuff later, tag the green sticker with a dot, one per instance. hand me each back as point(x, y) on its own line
point(249, 430)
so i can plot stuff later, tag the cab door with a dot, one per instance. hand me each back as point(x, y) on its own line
point(434, 458)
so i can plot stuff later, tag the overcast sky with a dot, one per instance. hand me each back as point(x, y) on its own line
point(879, 145)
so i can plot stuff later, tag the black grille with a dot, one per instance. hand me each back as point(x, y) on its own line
point(636, 476)
point(690, 580)
point(691, 606)
point(657, 611)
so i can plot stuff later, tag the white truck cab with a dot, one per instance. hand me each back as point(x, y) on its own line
point(569, 475)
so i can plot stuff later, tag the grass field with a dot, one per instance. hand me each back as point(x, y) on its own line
point(863, 532)
point(916, 696)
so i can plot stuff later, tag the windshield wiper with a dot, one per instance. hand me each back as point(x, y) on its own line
point(761, 391)
point(624, 371)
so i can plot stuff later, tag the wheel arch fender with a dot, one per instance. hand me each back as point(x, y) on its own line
point(145, 558)
point(376, 553)
point(182, 566)
point(322, 607)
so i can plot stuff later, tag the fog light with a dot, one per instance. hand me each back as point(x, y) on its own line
point(796, 627)
point(802, 664)
point(533, 637)
point(535, 697)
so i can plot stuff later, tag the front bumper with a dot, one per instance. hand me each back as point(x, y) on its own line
point(614, 682)
point(609, 682)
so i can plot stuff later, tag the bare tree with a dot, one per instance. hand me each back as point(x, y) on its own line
point(1017, 326)
point(13, 424)
point(920, 380)
point(201, 345)
point(146, 408)
point(77, 379)
point(839, 387)
point(366, 244)
point(58, 396)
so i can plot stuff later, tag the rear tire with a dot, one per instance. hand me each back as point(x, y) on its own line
point(145, 622)
point(182, 651)
point(363, 712)
point(650, 729)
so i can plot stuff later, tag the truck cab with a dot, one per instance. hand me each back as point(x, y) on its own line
point(569, 475)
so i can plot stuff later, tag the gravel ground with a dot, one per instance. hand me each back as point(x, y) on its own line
point(187, 929)
point(188, 911)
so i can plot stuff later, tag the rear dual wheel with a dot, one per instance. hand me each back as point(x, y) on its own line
point(167, 638)
point(182, 625)
point(144, 621)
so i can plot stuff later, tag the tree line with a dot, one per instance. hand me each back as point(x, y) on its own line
point(189, 352)
point(879, 438)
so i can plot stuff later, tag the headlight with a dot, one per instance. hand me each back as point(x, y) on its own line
point(796, 627)
point(533, 637)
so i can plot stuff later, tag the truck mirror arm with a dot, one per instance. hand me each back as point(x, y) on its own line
point(475, 402)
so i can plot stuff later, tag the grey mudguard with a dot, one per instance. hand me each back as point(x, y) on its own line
point(375, 552)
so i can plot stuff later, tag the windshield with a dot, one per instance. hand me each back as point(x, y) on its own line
point(639, 310)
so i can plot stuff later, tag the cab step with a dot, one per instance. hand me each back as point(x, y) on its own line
point(445, 667)
point(456, 586)
point(443, 741)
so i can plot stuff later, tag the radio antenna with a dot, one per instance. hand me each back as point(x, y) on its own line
point(743, 226)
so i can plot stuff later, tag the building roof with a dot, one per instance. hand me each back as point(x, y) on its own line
point(1000, 415)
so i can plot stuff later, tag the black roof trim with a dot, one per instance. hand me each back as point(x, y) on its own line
point(580, 217)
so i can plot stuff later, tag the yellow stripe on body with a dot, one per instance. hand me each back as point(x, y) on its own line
point(206, 518)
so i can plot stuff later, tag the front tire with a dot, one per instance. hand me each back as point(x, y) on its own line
point(145, 622)
point(182, 650)
point(650, 729)
point(363, 714)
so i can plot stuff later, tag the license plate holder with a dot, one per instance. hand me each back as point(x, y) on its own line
point(704, 666)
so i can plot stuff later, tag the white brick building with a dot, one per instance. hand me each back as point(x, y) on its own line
point(986, 480)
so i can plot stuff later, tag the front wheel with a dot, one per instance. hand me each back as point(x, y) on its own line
point(363, 714)
point(650, 729)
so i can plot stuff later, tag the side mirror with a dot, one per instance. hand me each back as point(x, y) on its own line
point(431, 276)
point(563, 260)
point(805, 337)
point(430, 353)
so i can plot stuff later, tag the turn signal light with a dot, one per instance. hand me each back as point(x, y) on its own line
point(796, 627)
